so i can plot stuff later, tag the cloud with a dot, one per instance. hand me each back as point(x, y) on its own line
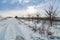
point(4, 1)
point(19, 4)
point(9, 1)
point(29, 10)
point(12, 13)
point(26, 1)
point(15, 1)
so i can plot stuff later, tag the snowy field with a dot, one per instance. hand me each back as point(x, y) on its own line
point(10, 28)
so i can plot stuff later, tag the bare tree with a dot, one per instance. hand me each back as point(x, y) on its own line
point(37, 15)
point(51, 12)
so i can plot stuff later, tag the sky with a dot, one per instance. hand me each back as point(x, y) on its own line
point(24, 7)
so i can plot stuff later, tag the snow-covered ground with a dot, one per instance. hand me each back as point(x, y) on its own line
point(11, 27)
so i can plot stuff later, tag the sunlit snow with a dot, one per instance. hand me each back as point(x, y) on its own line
point(10, 28)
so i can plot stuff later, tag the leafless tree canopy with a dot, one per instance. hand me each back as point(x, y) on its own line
point(51, 11)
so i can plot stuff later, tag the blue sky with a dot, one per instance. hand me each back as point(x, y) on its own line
point(8, 6)
point(13, 4)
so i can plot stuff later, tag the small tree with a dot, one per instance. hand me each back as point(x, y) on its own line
point(16, 16)
point(38, 15)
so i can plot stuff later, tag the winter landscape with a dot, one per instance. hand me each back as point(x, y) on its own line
point(29, 19)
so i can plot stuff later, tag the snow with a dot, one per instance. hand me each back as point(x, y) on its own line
point(10, 28)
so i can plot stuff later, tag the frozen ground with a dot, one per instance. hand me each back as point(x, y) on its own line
point(11, 27)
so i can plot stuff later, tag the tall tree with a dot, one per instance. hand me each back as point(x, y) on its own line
point(51, 11)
